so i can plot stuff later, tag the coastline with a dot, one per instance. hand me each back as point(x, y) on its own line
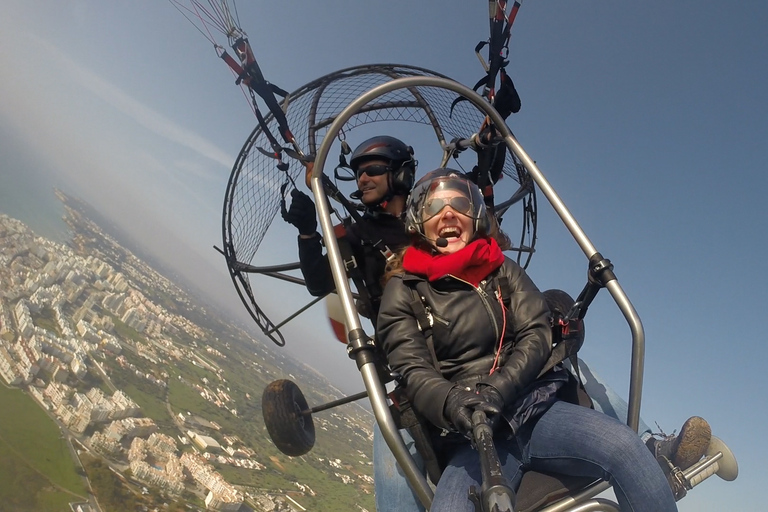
point(33, 200)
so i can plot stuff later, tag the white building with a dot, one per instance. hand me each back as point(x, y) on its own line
point(226, 502)
point(8, 368)
point(78, 367)
point(206, 443)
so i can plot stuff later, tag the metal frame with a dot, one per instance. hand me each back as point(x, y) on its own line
point(238, 247)
point(359, 342)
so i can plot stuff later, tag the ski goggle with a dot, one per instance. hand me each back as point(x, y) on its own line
point(373, 170)
point(434, 205)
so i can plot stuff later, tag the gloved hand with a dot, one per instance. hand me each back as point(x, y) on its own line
point(460, 405)
point(301, 213)
point(491, 395)
point(490, 158)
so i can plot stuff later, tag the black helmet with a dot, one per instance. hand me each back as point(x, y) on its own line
point(396, 152)
point(416, 209)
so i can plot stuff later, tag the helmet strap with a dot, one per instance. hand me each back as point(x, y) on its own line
point(390, 189)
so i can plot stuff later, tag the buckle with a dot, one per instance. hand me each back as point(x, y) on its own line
point(350, 263)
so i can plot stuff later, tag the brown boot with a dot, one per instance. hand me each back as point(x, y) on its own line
point(693, 441)
point(685, 449)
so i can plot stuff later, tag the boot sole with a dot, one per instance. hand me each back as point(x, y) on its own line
point(693, 442)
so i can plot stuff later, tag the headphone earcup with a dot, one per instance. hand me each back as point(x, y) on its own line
point(402, 180)
point(411, 226)
point(483, 223)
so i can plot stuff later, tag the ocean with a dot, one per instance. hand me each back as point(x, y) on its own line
point(27, 190)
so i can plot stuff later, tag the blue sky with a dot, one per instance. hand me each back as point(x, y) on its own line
point(649, 118)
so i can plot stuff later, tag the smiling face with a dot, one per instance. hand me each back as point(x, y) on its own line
point(374, 188)
point(456, 227)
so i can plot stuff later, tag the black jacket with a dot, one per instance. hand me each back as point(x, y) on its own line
point(373, 227)
point(467, 325)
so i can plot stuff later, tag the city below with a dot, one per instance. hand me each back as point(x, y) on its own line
point(142, 378)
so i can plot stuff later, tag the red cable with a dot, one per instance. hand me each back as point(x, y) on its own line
point(503, 330)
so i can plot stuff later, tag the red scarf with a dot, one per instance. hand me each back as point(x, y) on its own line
point(471, 264)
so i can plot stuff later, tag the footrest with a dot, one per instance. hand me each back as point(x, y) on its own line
point(718, 460)
point(728, 467)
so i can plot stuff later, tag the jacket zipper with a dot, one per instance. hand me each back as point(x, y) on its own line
point(484, 299)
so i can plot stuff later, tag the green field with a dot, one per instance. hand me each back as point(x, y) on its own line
point(125, 332)
point(332, 494)
point(36, 469)
point(24, 489)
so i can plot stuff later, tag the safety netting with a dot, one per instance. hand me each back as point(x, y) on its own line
point(253, 193)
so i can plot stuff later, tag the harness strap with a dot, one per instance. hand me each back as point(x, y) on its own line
point(424, 319)
point(408, 418)
point(573, 358)
point(352, 267)
point(375, 241)
point(566, 348)
point(502, 283)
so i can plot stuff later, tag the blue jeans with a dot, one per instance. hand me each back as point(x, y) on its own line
point(567, 439)
point(393, 493)
point(606, 400)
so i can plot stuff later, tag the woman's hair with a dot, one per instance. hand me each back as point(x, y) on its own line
point(395, 265)
point(495, 232)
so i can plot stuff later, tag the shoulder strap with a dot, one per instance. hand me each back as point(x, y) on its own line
point(352, 267)
point(409, 418)
point(423, 318)
point(366, 234)
point(566, 348)
point(502, 284)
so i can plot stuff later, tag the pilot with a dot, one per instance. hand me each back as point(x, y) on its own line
point(384, 169)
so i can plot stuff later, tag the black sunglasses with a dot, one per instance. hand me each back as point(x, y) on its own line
point(435, 205)
point(373, 170)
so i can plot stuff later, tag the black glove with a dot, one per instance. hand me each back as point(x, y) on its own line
point(460, 405)
point(490, 158)
point(507, 100)
point(301, 213)
point(491, 395)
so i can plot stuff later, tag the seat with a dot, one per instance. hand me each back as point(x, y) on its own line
point(538, 489)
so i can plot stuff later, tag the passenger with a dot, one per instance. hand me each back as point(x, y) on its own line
point(488, 337)
point(392, 169)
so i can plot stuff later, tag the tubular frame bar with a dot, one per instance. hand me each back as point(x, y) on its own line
point(702, 466)
point(596, 505)
point(374, 387)
point(566, 504)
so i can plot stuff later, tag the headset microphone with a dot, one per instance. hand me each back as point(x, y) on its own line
point(440, 241)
